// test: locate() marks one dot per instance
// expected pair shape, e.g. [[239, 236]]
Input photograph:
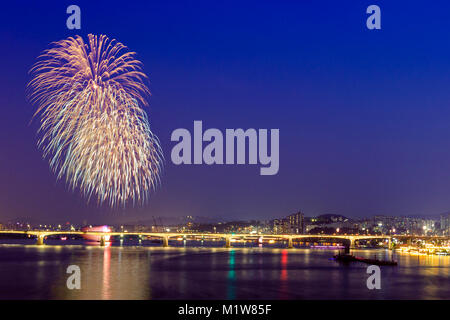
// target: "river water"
[[132, 271]]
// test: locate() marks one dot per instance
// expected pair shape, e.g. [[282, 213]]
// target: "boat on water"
[[96, 238], [351, 258]]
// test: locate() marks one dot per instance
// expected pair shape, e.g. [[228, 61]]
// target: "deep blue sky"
[[363, 115]]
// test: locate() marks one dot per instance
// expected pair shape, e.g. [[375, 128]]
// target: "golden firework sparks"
[[93, 128]]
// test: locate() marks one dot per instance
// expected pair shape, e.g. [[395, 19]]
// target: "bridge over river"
[[348, 241]]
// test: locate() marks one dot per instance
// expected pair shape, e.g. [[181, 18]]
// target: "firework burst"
[[93, 129]]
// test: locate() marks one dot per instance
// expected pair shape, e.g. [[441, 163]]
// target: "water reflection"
[[231, 289], [106, 288], [284, 274], [139, 272]]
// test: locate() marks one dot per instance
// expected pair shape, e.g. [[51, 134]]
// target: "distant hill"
[[26, 220], [169, 221], [443, 214], [330, 218]]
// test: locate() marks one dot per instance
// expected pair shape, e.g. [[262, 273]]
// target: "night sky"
[[363, 115]]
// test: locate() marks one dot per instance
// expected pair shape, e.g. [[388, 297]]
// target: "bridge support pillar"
[[165, 241], [228, 242], [352, 243], [40, 239], [389, 244], [102, 241], [290, 243]]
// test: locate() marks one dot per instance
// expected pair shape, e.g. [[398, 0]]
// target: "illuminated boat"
[[96, 238]]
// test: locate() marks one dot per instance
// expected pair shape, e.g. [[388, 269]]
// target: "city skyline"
[[294, 223]]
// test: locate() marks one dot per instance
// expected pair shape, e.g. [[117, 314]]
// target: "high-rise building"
[[445, 224], [277, 227], [296, 223]]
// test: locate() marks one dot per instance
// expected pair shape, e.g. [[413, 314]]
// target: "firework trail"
[[93, 128]]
